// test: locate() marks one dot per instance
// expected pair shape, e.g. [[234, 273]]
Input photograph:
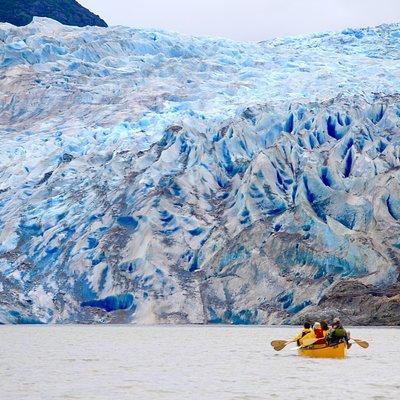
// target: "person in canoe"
[[325, 327], [319, 333], [306, 331], [338, 334], [316, 333]]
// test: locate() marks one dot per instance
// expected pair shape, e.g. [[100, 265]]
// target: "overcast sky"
[[246, 19]]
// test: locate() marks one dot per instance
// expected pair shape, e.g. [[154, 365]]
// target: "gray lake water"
[[188, 362]]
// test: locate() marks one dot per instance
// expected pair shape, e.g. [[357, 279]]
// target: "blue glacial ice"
[[148, 176]]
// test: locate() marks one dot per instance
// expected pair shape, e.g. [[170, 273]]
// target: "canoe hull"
[[323, 351]]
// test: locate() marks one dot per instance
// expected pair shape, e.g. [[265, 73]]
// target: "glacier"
[[152, 177]]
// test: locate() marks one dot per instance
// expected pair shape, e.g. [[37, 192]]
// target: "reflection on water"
[[188, 362]]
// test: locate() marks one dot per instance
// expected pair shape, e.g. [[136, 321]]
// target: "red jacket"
[[319, 333]]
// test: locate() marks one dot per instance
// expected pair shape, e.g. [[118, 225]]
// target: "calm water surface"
[[189, 362]]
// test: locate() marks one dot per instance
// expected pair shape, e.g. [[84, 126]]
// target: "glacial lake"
[[188, 362]]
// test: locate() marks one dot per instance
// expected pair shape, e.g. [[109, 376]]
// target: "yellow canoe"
[[323, 351]]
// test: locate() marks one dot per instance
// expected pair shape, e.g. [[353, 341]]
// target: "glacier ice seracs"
[[155, 177]]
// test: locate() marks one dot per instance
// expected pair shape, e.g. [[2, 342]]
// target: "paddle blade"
[[361, 343], [278, 345], [278, 342]]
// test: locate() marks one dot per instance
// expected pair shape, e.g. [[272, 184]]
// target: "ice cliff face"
[[153, 177]]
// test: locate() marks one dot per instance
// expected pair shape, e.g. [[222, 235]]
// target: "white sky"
[[246, 19]]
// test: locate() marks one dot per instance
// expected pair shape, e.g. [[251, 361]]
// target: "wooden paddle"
[[362, 343], [278, 345], [309, 342], [306, 342]]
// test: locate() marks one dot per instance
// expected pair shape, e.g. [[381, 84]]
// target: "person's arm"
[[297, 337], [310, 335]]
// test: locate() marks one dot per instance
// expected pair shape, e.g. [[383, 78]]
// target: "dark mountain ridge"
[[68, 12]]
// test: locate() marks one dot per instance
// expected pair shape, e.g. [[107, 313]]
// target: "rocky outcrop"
[[356, 304], [68, 12]]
